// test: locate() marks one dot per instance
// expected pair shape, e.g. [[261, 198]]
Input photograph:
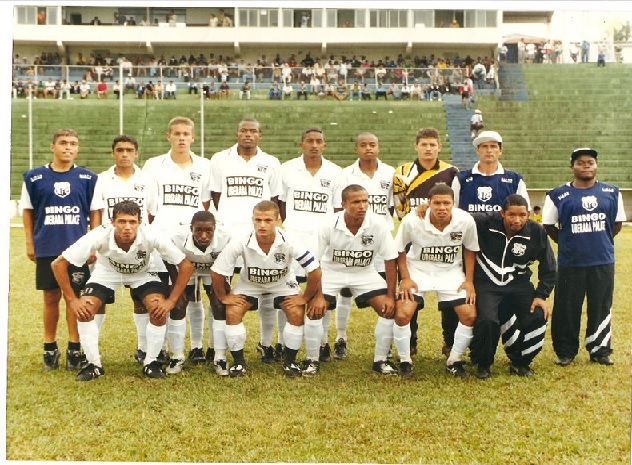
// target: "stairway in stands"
[[512, 85], [458, 126]]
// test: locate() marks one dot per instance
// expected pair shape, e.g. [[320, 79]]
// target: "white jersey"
[[308, 198], [179, 192], [437, 256], [265, 271], [243, 184], [379, 188], [340, 250], [112, 189], [202, 259], [115, 264]]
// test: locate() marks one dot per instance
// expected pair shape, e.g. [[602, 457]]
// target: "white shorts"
[[448, 292], [112, 280], [363, 285], [286, 286]]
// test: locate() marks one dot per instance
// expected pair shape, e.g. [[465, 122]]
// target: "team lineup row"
[[337, 234]]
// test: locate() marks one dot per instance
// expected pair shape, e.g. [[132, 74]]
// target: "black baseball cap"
[[583, 151]]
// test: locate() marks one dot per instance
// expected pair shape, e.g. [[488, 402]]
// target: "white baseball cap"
[[487, 136]]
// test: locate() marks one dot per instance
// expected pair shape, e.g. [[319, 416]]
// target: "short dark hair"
[[427, 133], [126, 207], [125, 138], [350, 189], [312, 129], [515, 200], [64, 132], [440, 188], [267, 206], [203, 215]]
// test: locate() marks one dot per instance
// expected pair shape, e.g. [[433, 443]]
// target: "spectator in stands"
[[75, 88], [144, 22], [140, 90], [380, 91], [287, 91], [355, 91], [502, 52], [601, 57], [224, 90], [574, 51], [64, 88], [329, 91], [19, 89], [435, 91], [209, 90], [405, 91], [49, 88], [95, 21], [245, 91], [380, 73], [479, 73], [314, 85], [213, 21], [84, 89], [466, 95], [193, 87], [131, 21], [341, 92], [224, 19], [102, 89], [537, 214], [302, 91], [159, 90], [476, 123], [275, 91], [116, 89], [130, 84], [150, 90], [393, 89], [415, 91], [585, 51], [170, 90], [492, 77]]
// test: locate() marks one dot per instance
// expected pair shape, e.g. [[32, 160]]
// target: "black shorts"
[[106, 295], [45, 279], [276, 302]]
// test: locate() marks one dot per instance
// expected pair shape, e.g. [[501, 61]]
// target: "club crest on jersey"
[[367, 239], [385, 185], [141, 255], [214, 255], [139, 187], [456, 237], [62, 189], [589, 203], [292, 284], [279, 258], [326, 183], [195, 176], [262, 168], [519, 249], [77, 277], [484, 193]]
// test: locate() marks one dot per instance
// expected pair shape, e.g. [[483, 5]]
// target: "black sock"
[[238, 357], [74, 345], [289, 355], [50, 346]]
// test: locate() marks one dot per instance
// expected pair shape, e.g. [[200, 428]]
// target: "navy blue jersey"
[[61, 205], [479, 193], [585, 220]]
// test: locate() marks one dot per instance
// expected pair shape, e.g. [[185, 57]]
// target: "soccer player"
[[181, 183], [377, 178], [202, 242], [347, 246], [432, 252], [411, 184], [125, 181], [56, 201], [267, 253], [242, 176], [509, 244], [123, 249], [308, 186], [583, 217]]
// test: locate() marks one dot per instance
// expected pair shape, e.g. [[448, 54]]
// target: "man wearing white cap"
[[476, 123]]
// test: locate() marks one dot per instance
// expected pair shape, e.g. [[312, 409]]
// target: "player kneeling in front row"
[[347, 246], [201, 245], [123, 249], [267, 253], [439, 244]]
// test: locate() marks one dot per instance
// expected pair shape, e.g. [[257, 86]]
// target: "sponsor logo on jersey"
[[202, 266], [315, 202], [181, 195], [607, 189], [507, 180], [266, 275], [35, 178], [589, 202], [519, 249], [415, 202], [456, 237], [565, 194], [353, 258], [484, 193], [127, 268], [62, 214], [440, 254], [85, 176], [378, 204], [588, 222], [111, 201], [244, 186], [61, 189], [483, 208]]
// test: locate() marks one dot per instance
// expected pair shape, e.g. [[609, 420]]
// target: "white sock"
[[267, 317], [281, 322], [164, 342], [219, 338], [141, 321], [462, 338], [325, 323], [176, 333], [195, 315], [210, 322], [343, 312], [383, 338], [99, 318], [293, 336], [235, 336], [313, 335], [401, 336], [155, 339], [89, 337]]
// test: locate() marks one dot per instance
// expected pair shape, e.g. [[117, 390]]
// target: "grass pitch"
[[574, 415]]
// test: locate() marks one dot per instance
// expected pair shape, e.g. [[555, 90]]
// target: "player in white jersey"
[[125, 181], [202, 243], [432, 252], [309, 183], [347, 246], [181, 185], [242, 176], [377, 178], [123, 250], [267, 253]]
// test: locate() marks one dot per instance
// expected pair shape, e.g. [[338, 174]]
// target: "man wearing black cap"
[[583, 216]]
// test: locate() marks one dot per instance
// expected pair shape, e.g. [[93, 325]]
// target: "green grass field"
[[562, 416]]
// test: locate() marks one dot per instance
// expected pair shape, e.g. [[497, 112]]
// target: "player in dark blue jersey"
[[583, 217], [56, 202]]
